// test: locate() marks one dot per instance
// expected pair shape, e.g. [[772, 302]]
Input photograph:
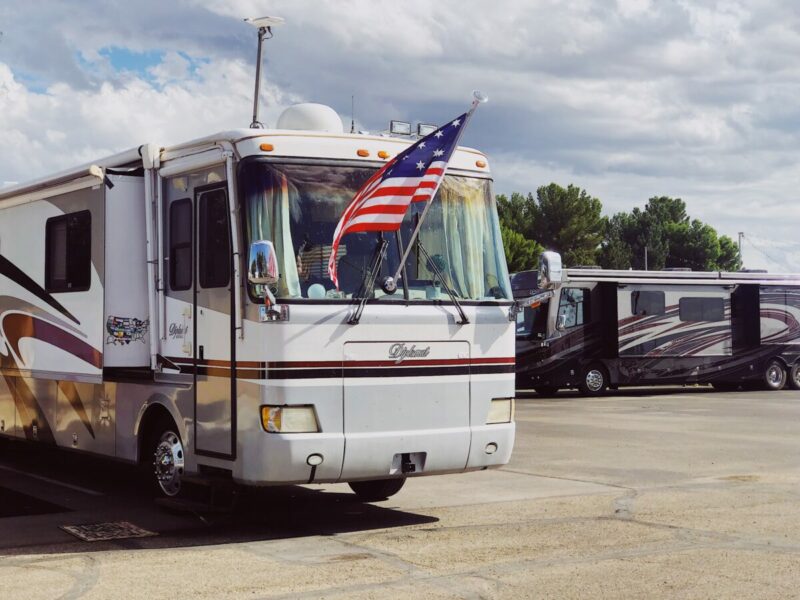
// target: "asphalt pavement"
[[679, 493]]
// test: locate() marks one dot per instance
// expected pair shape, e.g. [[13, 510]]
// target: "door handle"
[[200, 352]]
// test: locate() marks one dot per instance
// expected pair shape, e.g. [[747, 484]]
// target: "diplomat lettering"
[[177, 331], [400, 352]]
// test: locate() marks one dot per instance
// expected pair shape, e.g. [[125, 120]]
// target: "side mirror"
[[550, 270], [561, 324], [262, 265]]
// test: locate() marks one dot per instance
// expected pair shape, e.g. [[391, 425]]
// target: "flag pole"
[[391, 283]]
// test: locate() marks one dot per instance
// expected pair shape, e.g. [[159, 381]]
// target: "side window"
[[215, 243], [574, 306], [68, 253], [702, 309], [647, 303], [180, 245]]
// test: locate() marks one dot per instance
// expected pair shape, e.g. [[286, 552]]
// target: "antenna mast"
[[264, 25]]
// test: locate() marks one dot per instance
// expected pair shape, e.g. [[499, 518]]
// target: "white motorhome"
[[133, 319]]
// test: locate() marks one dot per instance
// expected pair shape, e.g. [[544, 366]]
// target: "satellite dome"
[[311, 117]]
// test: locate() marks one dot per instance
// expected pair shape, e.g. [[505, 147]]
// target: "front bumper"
[[274, 459]]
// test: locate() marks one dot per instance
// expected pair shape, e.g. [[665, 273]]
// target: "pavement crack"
[[623, 505]]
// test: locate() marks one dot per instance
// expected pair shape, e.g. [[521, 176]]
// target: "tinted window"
[[574, 306], [215, 245], [645, 303], [702, 309], [68, 252], [180, 244], [532, 321]]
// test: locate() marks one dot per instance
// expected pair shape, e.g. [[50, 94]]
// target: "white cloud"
[[173, 67], [629, 99], [66, 126]]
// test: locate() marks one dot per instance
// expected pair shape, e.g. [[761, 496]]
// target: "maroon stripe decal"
[[336, 364], [17, 326]]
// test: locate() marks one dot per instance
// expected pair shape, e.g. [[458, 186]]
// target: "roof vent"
[[311, 117]]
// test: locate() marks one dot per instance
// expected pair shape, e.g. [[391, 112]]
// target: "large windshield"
[[298, 206]]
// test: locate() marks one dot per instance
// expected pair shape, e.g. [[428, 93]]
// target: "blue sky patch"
[[123, 59]]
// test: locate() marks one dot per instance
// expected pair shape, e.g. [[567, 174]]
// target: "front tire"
[[594, 381], [168, 460], [794, 376], [376, 489], [775, 375]]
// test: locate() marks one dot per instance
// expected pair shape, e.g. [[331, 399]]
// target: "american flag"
[[414, 175]]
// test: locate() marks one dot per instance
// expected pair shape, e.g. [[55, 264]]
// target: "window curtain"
[[462, 237], [269, 216]]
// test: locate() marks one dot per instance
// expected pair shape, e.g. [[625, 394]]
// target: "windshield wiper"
[[368, 285], [435, 268]]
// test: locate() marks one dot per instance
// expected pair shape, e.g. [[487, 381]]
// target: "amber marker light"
[[267, 147], [363, 153], [480, 164], [383, 154]]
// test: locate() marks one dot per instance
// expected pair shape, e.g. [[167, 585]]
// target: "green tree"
[[515, 212], [728, 255], [522, 254], [569, 221], [694, 245], [670, 237], [615, 251]]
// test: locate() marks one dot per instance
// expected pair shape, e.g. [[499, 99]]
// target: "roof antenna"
[[352, 114], [264, 25]]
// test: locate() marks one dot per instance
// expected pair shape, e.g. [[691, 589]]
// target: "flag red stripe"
[[393, 191], [394, 209], [362, 227]]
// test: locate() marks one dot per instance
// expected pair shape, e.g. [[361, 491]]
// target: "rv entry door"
[[215, 373]]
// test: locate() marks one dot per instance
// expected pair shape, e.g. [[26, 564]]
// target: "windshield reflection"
[[298, 206]]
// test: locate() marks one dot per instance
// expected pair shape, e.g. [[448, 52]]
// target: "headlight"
[[289, 419], [501, 410]]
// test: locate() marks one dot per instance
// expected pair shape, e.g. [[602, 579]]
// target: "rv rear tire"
[[775, 375], [794, 376], [376, 489], [594, 381]]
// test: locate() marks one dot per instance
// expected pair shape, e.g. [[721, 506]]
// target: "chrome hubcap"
[[775, 375], [168, 463], [594, 380], [797, 378]]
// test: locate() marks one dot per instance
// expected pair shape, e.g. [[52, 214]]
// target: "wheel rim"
[[594, 380], [796, 377], [774, 375], [169, 462]]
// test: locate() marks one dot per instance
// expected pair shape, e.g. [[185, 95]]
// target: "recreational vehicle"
[[170, 306], [590, 328]]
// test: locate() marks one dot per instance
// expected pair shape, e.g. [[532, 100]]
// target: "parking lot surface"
[[680, 493]]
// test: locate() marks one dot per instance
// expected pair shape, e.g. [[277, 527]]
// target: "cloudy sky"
[[628, 99]]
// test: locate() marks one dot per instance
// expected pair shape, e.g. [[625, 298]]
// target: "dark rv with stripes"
[[593, 328]]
